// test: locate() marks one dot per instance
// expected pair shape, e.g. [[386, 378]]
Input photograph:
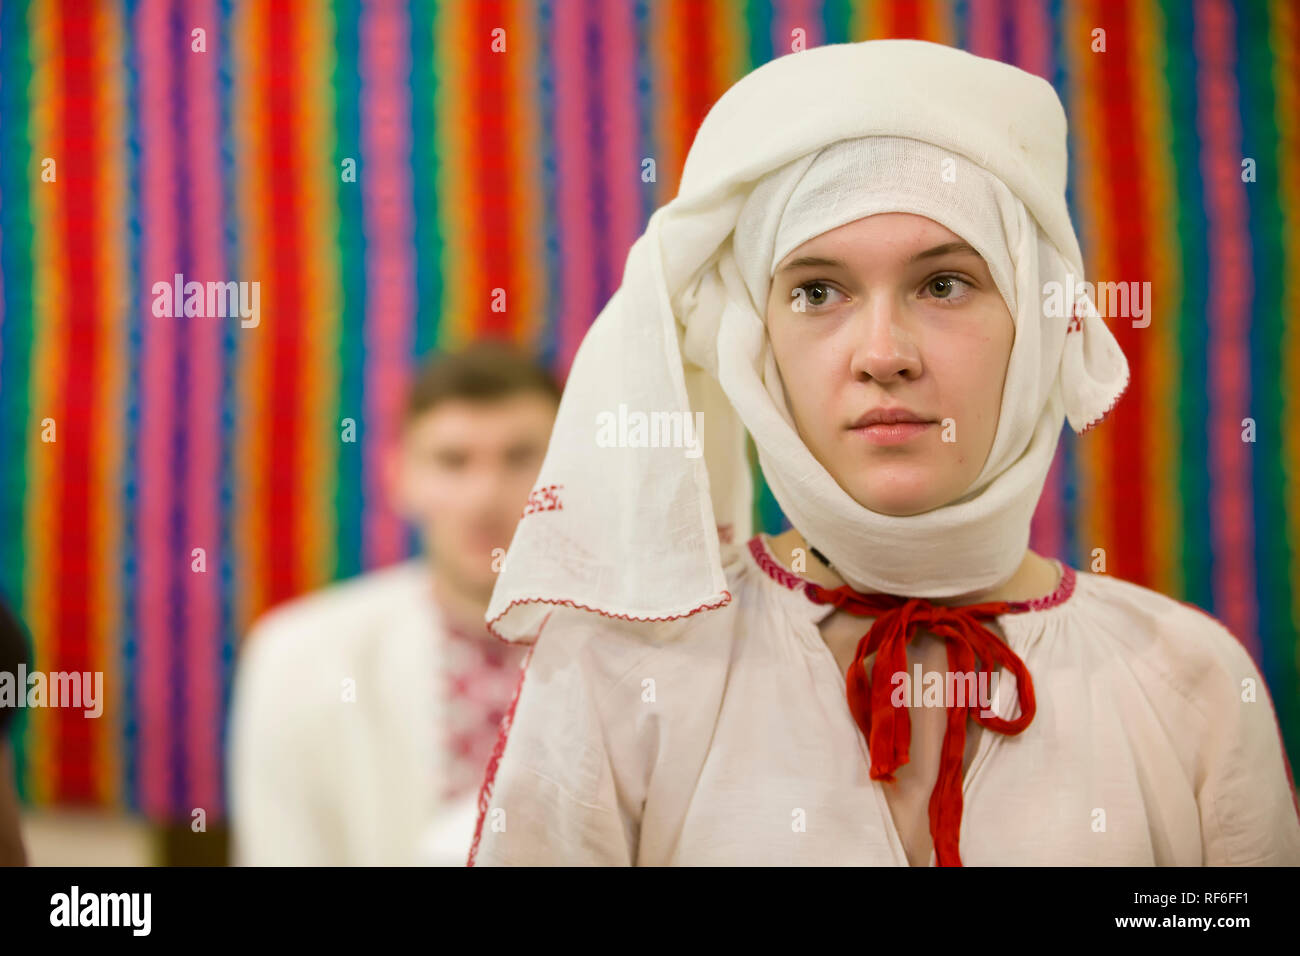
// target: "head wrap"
[[646, 470]]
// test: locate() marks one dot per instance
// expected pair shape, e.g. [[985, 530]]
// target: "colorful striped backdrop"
[[480, 169]]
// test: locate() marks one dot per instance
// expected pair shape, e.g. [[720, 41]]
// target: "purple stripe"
[[578, 299], [1228, 320], [158, 240], [387, 201], [618, 85]]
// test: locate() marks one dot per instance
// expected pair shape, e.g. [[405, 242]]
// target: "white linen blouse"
[[725, 738]]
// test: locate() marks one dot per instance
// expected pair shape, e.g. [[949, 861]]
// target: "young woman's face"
[[897, 313]]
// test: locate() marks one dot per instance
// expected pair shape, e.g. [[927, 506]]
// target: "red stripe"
[[490, 166], [905, 20], [281, 328], [694, 44], [78, 115], [1122, 191]]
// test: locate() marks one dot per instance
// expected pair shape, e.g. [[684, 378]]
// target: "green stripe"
[[425, 172], [1189, 322], [1273, 557], [18, 173], [347, 91]]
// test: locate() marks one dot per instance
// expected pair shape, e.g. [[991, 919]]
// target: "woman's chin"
[[898, 502]]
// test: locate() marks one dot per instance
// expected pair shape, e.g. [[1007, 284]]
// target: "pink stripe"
[[203, 426], [1231, 289], [387, 199], [158, 565], [578, 305], [618, 90], [1047, 529], [984, 35], [1034, 31], [791, 15]]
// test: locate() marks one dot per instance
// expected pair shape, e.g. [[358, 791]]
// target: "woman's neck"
[[1036, 577]]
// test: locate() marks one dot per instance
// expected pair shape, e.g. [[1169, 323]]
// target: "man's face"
[[462, 474]]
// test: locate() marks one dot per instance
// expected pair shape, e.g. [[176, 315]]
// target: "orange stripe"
[[114, 316], [249, 123], [1094, 450], [48, 369]]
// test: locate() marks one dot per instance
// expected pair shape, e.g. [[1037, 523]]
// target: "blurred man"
[[364, 715], [13, 654]]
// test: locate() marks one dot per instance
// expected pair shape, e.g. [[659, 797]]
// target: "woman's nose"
[[883, 347]]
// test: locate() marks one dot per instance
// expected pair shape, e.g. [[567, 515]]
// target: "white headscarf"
[[626, 521]]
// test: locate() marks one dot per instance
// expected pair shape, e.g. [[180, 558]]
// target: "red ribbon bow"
[[888, 729]]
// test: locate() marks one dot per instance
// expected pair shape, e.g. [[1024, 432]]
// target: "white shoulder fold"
[[1248, 805]]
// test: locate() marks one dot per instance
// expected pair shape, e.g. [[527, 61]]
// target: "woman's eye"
[[814, 293], [947, 288]]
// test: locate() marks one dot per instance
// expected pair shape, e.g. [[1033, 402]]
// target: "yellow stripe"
[[465, 292], [1159, 392]]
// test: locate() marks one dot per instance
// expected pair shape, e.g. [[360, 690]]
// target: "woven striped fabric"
[[402, 176]]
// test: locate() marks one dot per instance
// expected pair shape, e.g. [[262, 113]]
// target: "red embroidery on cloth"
[[1076, 320], [477, 683], [724, 600], [543, 498], [1098, 420]]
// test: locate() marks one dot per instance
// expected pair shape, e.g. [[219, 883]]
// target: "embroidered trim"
[[782, 575], [1098, 420], [726, 599], [503, 733]]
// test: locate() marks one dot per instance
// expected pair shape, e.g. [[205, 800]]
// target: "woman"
[[865, 268]]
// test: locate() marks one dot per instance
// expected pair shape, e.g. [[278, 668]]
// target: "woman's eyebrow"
[[948, 248], [812, 261]]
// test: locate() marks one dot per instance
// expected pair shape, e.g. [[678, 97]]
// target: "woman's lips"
[[895, 434]]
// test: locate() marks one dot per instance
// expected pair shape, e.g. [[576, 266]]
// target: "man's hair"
[[481, 372]]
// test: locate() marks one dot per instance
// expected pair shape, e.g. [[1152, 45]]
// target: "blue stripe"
[[135, 317], [352, 256], [231, 252], [548, 348]]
